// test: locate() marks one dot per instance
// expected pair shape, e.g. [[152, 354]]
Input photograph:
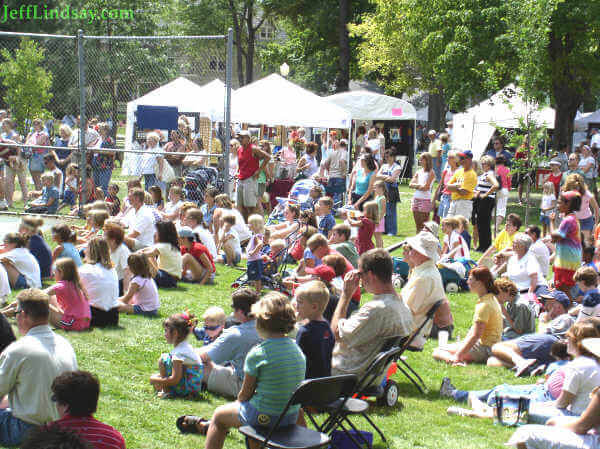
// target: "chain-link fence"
[[95, 77]]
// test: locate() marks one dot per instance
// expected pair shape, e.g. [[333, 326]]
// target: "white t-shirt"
[[148, 160], [456, 237], [119, 259], [234, 242], [542, 255], [595, 140], [422, 179], [582, 375], [240, 226], [184, 352], [26, 264], [335, 161], [169, 259], [207, 239], [143, 222], [519, 270], [171, 207], [4, 283], [375, 145], [584, 162], [101, 285], [547, 202], [147, 295]]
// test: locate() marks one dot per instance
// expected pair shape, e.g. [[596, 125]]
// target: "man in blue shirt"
[[224, 358], [499, 150], [47, 203]]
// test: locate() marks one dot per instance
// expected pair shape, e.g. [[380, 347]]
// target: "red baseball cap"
[[325, 272]]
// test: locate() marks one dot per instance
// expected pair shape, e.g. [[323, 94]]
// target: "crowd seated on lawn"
[[123, 258]]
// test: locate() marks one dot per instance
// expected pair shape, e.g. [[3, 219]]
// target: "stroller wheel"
[[452, 287], [390, 394]]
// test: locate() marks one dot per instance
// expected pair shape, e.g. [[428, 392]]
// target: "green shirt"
[[348, 250], [279, 366], [522, 317]]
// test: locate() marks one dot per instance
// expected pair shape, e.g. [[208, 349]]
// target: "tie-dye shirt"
[[568, 249]]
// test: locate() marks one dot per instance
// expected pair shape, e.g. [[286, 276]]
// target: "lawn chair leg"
[[377, 429], [422, 390], [358, 434]]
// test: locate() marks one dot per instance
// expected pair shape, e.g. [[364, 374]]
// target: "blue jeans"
[[12, 430], [102, 178], [444, 205], [335, 188], [391, 221], [151, 180], [437, 168]]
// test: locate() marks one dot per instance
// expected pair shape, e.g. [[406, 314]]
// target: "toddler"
[[366, 223], [381, 200], [255, 264], [142, 295], [326, 219], [229, 242], [214, 322], [65, 244], [180, 371], [547, 206]]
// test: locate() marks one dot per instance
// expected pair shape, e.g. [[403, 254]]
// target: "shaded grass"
[[125, 357]]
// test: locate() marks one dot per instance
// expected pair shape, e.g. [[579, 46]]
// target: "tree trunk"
[[239, 55], [437, 112], [567, 102], [250, 46], [342, 83]]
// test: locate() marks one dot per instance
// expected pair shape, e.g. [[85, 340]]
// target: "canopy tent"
[[475, 127], [582, 121], [206, 101], [274, 100], [365, 105]]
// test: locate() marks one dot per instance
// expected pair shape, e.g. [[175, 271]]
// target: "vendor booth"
[[474, 128], [396, 116]]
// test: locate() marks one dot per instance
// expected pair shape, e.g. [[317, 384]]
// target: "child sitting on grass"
[[171, 211], [157, 198], [142, 295], [297, 252], [463, 229], [113, 200], [315, 338], [214, 322], [229, 242], [65, 239], [180, 371], [165, 255], [69, 308], [197, 262], [272, 371], [46, 200], [454, 245]]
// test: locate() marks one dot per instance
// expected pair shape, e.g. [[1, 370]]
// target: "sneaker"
[[447, 388]]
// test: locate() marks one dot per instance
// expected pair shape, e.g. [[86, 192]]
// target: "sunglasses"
[[212, 328]]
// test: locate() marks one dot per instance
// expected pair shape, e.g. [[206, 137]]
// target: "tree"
[[556, 44], [27, 83], [452, 49]]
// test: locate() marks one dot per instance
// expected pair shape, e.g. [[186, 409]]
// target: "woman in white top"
[[566, 432], [523, 268], [150, 158], [587, 165], [165, 255], [99, 280], [196, 158], [308, 162], [119, 252], [374, 143], [422, 182], [21, 266]]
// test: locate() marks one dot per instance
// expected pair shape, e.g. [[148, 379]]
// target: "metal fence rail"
[[94, 77]]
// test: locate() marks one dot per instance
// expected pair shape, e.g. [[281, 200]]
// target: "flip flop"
[[189, 425]]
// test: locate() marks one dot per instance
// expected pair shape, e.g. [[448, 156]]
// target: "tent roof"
[[274, 100], [582, 122], [365, 105], [187, 96]]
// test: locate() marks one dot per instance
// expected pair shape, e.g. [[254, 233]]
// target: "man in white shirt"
[[539, 249], [336, 164], [595, 139], [141, 229], [27, 368]]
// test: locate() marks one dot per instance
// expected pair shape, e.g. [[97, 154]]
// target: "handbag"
[[511, 411], [168, 174]]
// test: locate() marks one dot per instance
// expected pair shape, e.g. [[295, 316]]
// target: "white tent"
[[474, 128], [365, 105], [582, 121], [274, 100], [207, 101]]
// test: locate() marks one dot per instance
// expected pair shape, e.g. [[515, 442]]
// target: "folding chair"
[[402, 364], [314, 393], [367, 386]]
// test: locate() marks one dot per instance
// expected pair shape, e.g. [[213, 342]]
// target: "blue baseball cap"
[[466, 154], [559, 297]]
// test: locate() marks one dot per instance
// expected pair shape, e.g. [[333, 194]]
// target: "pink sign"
[[396, 112]]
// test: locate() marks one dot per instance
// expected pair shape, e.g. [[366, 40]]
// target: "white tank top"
[[422, 178]]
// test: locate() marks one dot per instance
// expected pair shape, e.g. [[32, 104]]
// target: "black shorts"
[[104, 318]]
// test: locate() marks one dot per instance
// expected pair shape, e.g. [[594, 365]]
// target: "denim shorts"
[[587, 224], [249, 416], [255, 270], [165, 280], [335, 185], [545, 219], [36, 163], [12, 429], [21, 282], [137, 310]]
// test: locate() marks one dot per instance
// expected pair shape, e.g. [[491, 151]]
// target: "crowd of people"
[[258, 353]]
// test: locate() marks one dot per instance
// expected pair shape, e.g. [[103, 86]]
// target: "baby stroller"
[[198, 180], [299, 194], [455, 273]]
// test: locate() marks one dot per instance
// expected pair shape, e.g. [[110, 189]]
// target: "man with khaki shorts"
[[249, 167], [223, 359]]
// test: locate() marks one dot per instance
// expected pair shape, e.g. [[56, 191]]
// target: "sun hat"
[[325, 272], [432, 227], [555, 162], [424, 243], [592, 345]]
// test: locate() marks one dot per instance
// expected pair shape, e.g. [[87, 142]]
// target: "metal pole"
[[82, 122], [228, 72]]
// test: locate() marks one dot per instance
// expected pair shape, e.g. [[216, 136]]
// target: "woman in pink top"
[[445, 193], [503, 172], [588, 205], [69, 308]]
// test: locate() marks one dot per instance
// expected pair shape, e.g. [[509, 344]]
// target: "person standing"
[[336, 165], [389, 173], [249, 158], [435, 151], [484, 201], [28, 366], [462, 187], [422, 182]]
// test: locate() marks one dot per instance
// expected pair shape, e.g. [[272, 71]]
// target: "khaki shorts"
[[247, 192], [224, 381], [480, 353], [461, 207]]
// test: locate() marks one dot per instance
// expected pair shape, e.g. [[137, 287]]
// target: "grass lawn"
[[124, 358]]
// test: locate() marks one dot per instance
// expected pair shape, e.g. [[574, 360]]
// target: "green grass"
[[124, 358]]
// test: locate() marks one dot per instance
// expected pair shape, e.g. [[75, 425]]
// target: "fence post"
[[228, 72], [82, 122]]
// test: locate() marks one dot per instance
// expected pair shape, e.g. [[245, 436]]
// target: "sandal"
[[189, 424]]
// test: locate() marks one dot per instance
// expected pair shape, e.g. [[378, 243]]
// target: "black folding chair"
[[402, 364], [367, 386], [315, 393]]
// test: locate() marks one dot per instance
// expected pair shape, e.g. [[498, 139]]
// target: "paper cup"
[[442, 338]]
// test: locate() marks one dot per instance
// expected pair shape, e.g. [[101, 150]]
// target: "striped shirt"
[[484, 185], [98, 434], [279, 366]]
